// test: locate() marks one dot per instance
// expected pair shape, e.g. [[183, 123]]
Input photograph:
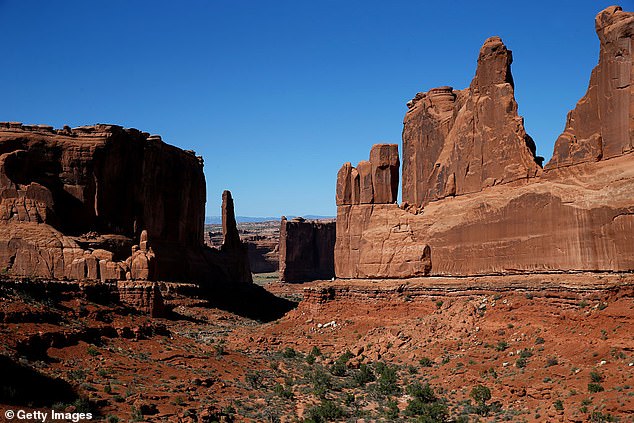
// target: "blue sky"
[[276, 95]]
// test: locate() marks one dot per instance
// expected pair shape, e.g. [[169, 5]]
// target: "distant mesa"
[[476, 200], [306, 249]]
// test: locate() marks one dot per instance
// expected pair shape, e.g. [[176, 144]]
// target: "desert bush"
[[598, 417], [552, 361], [596, 376], [283, 391], [595, 387], [363, 376], [502, 346], [422, 392], [324, 412], [320, 381], [426, 362], [391, 411], [387, 382], [481, 394], [289, 353], [254, 379]]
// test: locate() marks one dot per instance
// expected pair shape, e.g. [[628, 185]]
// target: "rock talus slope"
[[475, 199]]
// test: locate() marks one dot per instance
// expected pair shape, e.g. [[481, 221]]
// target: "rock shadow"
[[23, 386], [253, 302]]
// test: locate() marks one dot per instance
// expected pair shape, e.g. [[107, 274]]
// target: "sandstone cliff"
[[475, 198], [306, 250], [103, 203], [601, 126], [459, 142]]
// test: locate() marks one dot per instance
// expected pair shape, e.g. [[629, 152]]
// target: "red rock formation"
[[503, 215], [85, 203], [601, 126], [373, 182], [306, 250], [143, 296], [458, 142]]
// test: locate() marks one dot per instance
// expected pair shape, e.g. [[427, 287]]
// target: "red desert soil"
[[538, 350]]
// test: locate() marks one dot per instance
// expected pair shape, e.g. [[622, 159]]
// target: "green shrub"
[[112, 419], [289, 353], [363, 376], [539, 340], [426, 362], [435, 412], [392, 410], [315, 352], [559, 406], [595, 387], [254, 379], [320, 381], [596, 376], [338, 369], [283, 392], [481, 394], [552, 361], [526, 353], [598, 417], [387, 382], [93, 351], [502, 346], [324, 412], [422, 392], [520, 363]]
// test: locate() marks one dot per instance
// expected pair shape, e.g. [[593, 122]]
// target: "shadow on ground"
[[24, 386], [253, 302]]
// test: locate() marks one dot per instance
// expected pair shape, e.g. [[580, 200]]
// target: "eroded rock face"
[[306, 250], [487, 208], [459, 142], [105, 203], [371, 182], [143, 296], [601, 126]]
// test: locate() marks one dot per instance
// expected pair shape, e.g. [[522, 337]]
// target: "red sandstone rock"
[[385, 162], [458, 142], [143, 296], [374, 181], [73, 203], [344, 184], [601, 125], [306, 250]]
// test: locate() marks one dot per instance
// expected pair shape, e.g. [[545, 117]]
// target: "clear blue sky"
[[276, 95]]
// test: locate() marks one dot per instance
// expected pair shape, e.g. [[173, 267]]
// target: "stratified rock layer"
[[103, 203], [602, 124], [306, 250], [487, 207]]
